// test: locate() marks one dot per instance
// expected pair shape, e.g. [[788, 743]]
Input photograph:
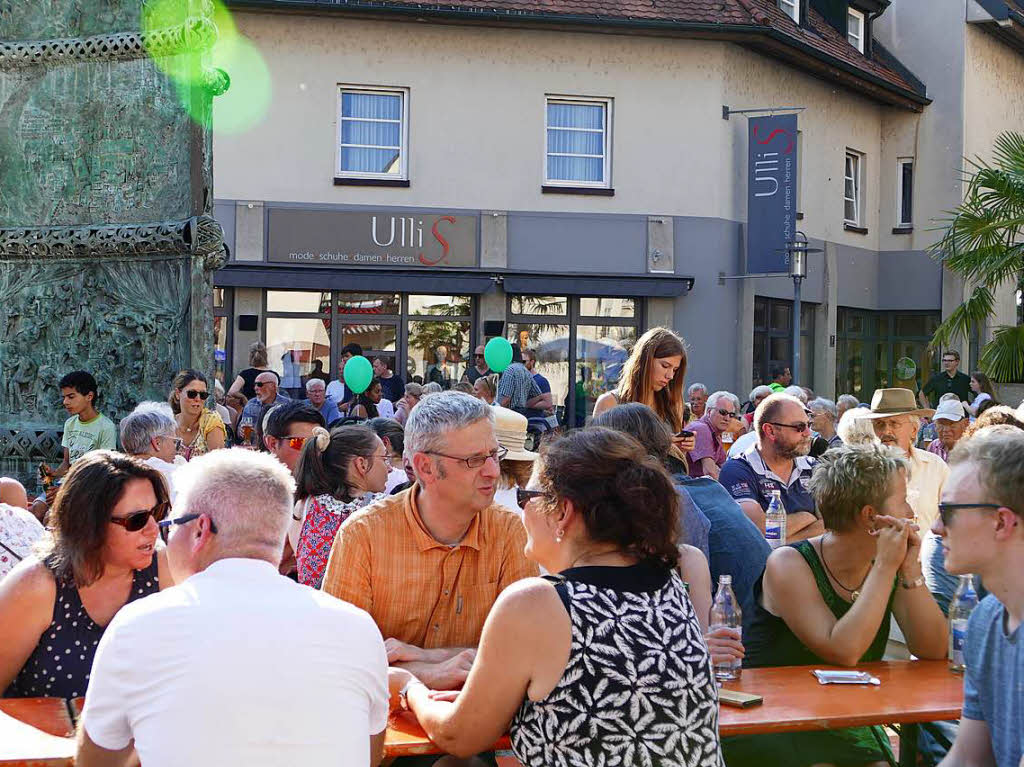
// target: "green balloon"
[[497, 354], [358, 374]]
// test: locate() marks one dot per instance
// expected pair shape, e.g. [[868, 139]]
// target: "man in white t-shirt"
[[193, 675]]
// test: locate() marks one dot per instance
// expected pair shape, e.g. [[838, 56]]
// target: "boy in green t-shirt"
[[85, 430]]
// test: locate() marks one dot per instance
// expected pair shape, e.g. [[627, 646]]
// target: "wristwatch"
[[918, 581], [403, 699]]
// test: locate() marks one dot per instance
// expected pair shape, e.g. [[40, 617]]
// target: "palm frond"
[[1003, 357], [959, 324], [1008, 151]]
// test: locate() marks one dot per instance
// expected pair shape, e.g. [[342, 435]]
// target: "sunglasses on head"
[[194, 393], [139, 519]]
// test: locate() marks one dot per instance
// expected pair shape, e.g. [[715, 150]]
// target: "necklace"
[[854, 592]]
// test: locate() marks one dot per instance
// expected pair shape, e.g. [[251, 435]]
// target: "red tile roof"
[[760, 24]]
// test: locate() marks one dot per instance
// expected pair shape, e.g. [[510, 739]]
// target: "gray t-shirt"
[[994, 681]]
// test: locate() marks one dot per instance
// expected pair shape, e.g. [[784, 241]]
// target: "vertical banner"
[[771, 192]]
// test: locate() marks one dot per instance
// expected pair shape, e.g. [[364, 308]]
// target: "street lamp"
[[798, 248]]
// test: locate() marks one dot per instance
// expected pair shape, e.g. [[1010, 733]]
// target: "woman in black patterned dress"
[[99, 555], [603, 663]]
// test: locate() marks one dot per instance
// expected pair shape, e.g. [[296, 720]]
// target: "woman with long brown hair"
[[100, 553], [983, 391], [201, 430], [653, 376]]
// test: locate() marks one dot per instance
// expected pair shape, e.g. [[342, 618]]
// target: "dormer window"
[[855, 28], [791, 8]]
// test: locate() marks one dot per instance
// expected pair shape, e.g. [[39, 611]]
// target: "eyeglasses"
[[295, 443], [726, 413], [386, 457], [194, 393], [139, 519], [947, 510], [179, 443], [474, 461], [478, 355], [799, 428], [261, 384], [166, 524], [523, 497]]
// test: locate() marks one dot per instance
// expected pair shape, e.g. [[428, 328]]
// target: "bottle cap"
[[725, 579]]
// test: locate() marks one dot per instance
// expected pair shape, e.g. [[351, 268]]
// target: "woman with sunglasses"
[[829, 600], [99, 555], [553, 665], [338, 473], [200, 430]]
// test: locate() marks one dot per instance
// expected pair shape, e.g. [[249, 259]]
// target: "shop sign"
[[359, 239], [771, 192]]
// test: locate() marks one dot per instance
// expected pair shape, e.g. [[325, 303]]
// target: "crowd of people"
[[275, 600]]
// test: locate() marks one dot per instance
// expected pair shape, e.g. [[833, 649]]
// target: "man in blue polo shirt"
[[777, 461]]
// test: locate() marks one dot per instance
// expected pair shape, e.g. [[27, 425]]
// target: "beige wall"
[[993, 103], [477, 115]]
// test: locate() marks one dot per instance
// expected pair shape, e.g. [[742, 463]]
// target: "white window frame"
[[900, 162], [606, 171], [858, 187], [857, 41], [791, 8], [403, 172]]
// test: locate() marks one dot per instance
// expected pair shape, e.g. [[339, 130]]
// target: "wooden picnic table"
[[910, 692], [36, 732]]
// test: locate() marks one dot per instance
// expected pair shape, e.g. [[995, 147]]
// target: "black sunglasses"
[[947, 510], [194, 393], [726, 413], [799, 428], [166, 524], [523, 497], [139, 519]]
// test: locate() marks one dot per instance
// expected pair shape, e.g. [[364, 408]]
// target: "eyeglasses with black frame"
[[474, 461], [165, 525], [137, 520], [948, 510], [799, 428], [523, 497], [726, 413]]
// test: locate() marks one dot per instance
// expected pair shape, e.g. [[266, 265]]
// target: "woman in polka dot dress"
[[100, 555]]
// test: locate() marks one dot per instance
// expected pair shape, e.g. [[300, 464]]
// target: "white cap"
[[949, 410]]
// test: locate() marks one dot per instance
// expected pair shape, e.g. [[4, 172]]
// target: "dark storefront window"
[[877, 350], [580, 341], [439, 338], [773, 338], [222, 300]]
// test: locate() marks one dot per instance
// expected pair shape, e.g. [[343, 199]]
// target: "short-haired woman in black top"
[[100, 555]]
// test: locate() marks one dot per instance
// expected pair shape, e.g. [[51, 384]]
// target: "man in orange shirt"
[[428, 563]]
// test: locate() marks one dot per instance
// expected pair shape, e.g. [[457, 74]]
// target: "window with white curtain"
[[792, 8], [852, 189], [373, 132], [855, 29], [578, 142]]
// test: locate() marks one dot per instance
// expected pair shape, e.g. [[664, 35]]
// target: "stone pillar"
[[107, 239]]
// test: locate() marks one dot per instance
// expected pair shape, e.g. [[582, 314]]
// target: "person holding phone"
[[653, 376], [710, 452]]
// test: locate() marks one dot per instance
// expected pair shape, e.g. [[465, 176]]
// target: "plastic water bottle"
[[964, 601], [775, 521], [725, 612]]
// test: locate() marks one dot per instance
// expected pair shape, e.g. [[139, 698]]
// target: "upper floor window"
[[791, 8], [905, 191], [852, 189], [855, 28], [578, 142], [373, 132]]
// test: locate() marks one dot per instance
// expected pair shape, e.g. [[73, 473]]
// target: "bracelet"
[[403, 694], [916, 583]]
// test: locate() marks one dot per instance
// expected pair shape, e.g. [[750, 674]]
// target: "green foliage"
[[982, 243]]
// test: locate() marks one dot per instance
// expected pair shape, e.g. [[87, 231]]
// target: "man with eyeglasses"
[[429, 562], [982, 529], [194, 677], [266, 397], [148, 433], [709, 454], [316, 393], [949, 379], [478, 369], [778, 461]]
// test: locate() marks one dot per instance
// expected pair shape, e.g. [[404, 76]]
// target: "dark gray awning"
[[363, 281], [660, 286]]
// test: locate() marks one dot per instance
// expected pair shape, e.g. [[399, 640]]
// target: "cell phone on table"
[[739, 699]]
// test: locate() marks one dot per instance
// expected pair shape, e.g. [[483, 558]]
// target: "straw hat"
[[890, 402], [510, 429]]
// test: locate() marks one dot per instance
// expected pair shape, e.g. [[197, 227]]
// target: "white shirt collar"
[[800, 464]]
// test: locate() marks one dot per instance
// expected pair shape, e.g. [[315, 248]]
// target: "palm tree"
[[983, 244]]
